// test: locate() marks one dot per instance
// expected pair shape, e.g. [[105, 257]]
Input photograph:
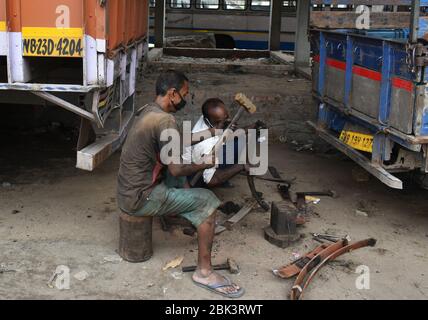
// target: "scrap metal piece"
[[294, 268], [329, 193], [257, 195], [278, 178], [329, 237], [349, 248], [332, 252], [297, 287]]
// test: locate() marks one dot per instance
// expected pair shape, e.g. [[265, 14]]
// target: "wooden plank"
[[240, 215], [338, 19], [229, 224]]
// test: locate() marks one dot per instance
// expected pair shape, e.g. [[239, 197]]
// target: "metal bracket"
[[64, 104], [376, 170]]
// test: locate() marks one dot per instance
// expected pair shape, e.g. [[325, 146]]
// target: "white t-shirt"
[[196, 152]]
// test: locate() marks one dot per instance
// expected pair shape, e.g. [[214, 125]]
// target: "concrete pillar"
[[275, 26], [159, 23], [302, 51]]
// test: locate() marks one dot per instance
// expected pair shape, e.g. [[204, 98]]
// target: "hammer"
[[245, 106], [230, 265]]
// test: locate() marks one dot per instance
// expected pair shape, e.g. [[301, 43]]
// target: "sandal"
[[214, 288]]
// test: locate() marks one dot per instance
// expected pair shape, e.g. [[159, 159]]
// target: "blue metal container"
[[373, 101]]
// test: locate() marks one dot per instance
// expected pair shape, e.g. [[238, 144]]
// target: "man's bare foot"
[[217, 283]]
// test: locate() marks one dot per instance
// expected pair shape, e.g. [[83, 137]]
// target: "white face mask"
[[208, 122]]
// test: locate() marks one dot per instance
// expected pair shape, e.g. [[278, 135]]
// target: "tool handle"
[[189, 269], [220, 143], [217, 268]]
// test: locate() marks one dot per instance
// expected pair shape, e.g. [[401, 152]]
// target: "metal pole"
[[159, 23], [64, 104], [302, 51], [275, 26]]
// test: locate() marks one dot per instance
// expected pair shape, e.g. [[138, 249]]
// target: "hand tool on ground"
[[245, 106], [329, 193], [299, 198], [230, 265], [329, 237]]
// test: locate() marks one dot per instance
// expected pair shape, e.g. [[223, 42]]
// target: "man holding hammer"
[[149, 187]]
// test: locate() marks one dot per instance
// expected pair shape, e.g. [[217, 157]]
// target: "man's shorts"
[[169, 197]]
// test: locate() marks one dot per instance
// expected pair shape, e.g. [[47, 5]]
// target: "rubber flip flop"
[[214, 289]]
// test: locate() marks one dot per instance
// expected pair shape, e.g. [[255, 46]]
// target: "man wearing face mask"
[[149, 187]]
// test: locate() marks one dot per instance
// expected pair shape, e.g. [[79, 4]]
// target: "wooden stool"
[[135, 244]]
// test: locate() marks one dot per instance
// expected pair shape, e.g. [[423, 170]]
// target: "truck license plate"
[[358, 141], [53, 42]]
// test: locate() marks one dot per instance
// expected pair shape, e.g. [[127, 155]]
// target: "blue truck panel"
[[370, 82]]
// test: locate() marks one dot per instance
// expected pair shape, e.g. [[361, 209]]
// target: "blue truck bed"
[[372, 92]]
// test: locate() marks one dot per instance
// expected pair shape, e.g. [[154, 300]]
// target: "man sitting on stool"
[[149, 185]]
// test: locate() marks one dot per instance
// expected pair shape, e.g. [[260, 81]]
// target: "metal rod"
[[65, 104]]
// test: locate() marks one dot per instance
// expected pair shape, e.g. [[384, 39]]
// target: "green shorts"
[[169, 197]]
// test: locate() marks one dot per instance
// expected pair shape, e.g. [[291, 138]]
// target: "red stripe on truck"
[[336, 64], [367, 73], [402, 84]]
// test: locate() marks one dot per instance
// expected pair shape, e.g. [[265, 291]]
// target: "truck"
[[79, 55], [371, 87]]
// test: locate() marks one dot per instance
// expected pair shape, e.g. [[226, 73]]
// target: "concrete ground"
[[52, 214]]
